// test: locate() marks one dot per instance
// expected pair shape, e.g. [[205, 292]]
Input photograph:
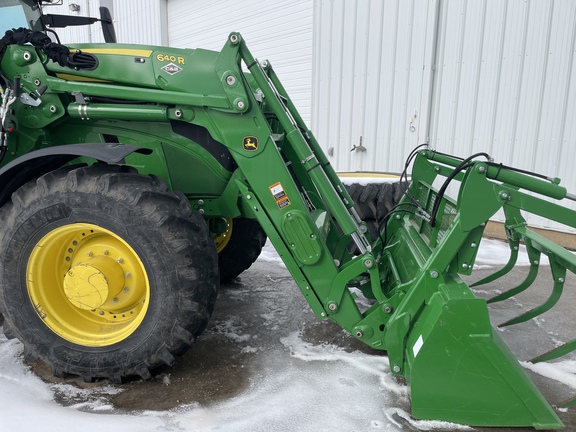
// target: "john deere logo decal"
[[250, 143]]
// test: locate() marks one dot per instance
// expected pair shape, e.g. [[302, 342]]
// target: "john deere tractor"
[[133, 179]]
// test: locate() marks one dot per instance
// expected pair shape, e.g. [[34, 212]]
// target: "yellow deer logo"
[[250, 143]]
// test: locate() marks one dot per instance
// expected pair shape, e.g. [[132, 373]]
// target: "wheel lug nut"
[[105, 252], [128, 274], [89, 253], [120, 260]]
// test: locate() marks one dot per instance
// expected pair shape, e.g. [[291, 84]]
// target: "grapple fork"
[[444, 329]]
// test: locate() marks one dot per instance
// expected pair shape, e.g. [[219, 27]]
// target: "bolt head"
[[434, 274], [359, 334], [230, 80], [396, 369], [387, 309], [240, 105], [332, 307], [120, 260]]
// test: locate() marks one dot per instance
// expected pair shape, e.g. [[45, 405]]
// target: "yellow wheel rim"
[[221, 240], [87, 285]]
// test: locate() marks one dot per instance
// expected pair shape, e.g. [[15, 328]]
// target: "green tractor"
[[133, 179]]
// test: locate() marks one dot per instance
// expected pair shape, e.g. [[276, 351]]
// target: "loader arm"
[[436, 332]]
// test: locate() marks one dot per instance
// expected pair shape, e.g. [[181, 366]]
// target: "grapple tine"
[[559, 275], [437, 334], [568, 402], [556, 352], [534, 257], [514, 246]]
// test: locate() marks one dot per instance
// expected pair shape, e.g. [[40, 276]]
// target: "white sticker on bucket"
[[417, 346]]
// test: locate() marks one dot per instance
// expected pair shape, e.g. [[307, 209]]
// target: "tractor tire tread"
[[183, 234]]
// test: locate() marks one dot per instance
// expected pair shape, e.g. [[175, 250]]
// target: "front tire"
[[105, 274], [238, 246]]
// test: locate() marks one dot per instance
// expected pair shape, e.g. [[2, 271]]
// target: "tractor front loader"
[[134, 178]]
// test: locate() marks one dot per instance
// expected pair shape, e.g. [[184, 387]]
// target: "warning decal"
[[279, 195]]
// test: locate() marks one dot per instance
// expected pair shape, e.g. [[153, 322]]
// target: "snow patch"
[[563, 371]]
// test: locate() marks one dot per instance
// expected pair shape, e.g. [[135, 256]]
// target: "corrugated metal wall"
[[277, 30], [506, 83], [142, 22], [372, 72]]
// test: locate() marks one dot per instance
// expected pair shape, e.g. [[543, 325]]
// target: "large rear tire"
[[105, 274], [238, 246]]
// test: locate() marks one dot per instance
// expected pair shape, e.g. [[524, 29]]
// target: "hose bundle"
[[56, 52]]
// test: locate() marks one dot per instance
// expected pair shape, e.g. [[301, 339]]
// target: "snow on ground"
[[289, 399], [367, 398]]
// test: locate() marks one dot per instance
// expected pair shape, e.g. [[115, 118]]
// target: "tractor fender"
[[39, 162]]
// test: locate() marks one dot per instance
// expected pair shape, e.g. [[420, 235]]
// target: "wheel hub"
[[221, 229], [89, 285]]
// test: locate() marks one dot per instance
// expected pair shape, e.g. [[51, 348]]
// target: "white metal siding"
[[140, 22], [371, 75], [506, 83], [277, 30]]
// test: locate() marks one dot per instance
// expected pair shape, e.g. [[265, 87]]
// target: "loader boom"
[[220, 130]]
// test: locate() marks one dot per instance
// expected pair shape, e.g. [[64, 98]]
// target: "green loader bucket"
[[439, 336], [461, 371]]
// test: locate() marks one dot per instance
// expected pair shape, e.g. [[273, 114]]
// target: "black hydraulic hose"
[[404, 175], [530, 173], [383, 223], [54, 51], [461, 166]]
